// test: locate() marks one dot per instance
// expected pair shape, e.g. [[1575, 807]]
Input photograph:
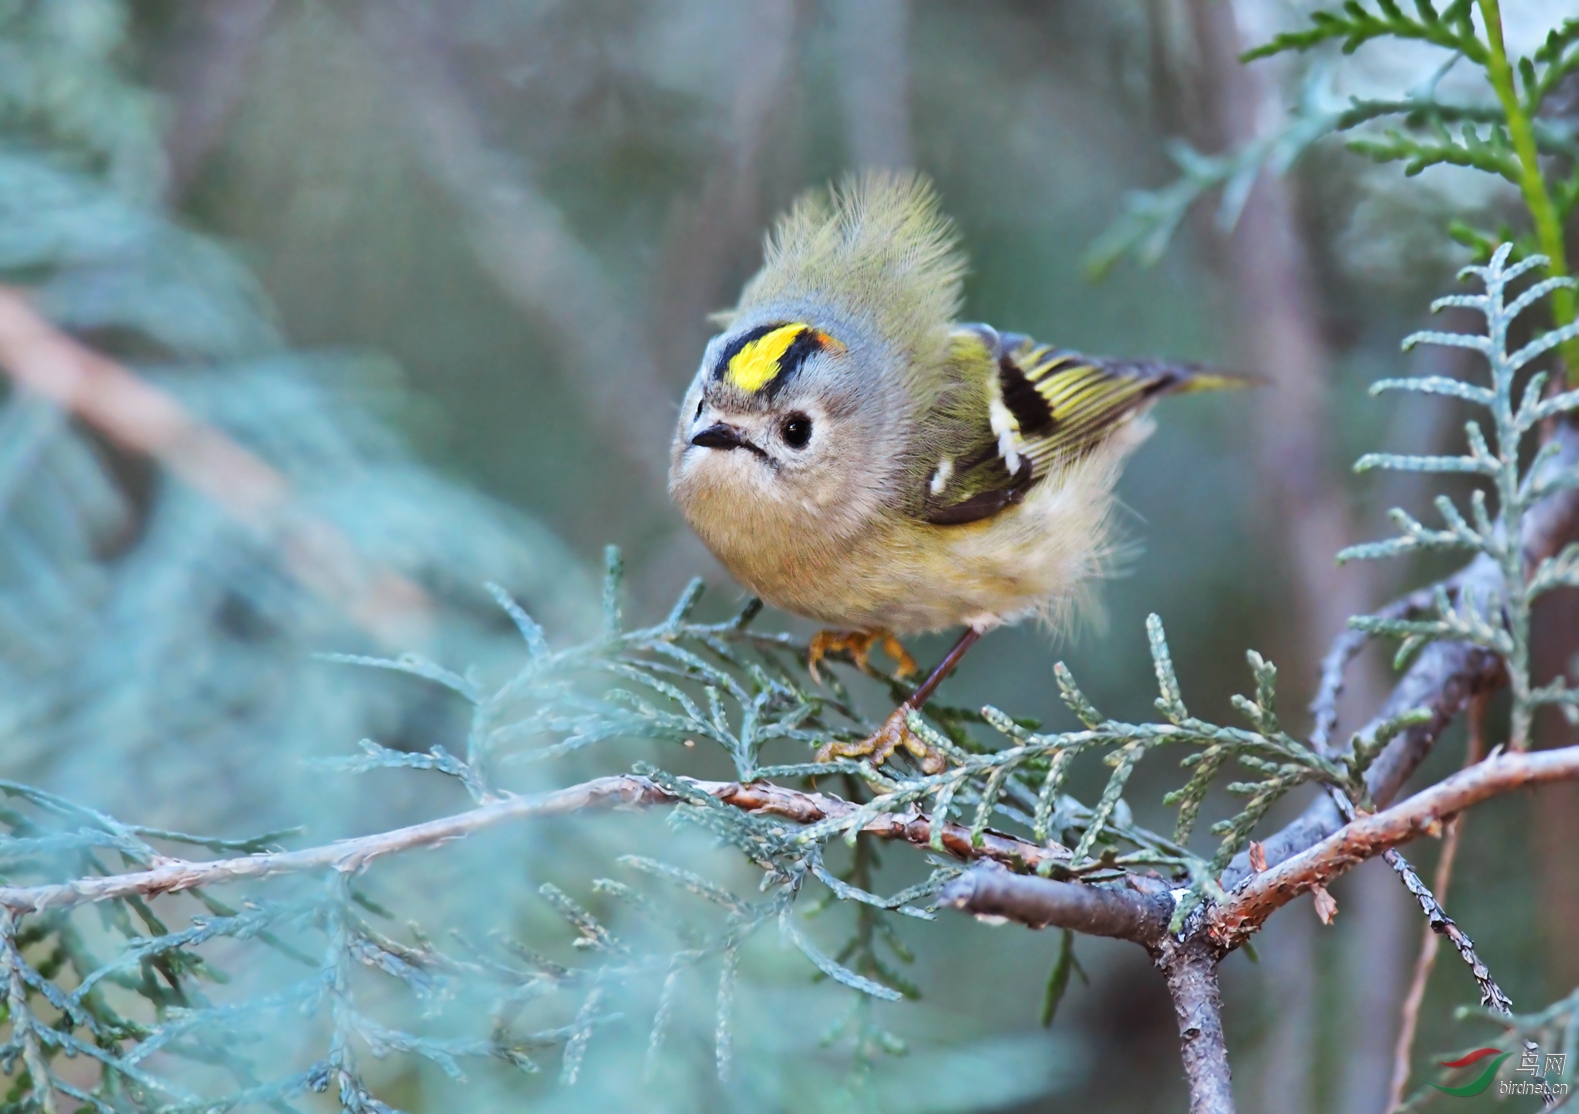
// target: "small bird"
[[853, 455]]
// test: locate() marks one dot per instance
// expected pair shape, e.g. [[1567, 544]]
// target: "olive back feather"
[[1045, 409]]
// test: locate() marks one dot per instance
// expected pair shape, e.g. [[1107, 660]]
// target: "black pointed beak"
[[721, 436]]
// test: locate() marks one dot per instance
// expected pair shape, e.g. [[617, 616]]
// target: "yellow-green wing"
[[1040, 408]]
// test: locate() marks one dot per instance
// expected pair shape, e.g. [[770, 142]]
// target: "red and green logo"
[[1481, 1081]]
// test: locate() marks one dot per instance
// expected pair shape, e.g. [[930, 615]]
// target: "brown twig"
[[1409, 1019], [1446, 678], [1443, 678], [1367, 836], [1189, 961], [1039, 901], [141, 418], [1547, 528], [606, 792]]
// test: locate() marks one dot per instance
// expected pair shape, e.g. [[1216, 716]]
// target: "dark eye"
[[797, 430]]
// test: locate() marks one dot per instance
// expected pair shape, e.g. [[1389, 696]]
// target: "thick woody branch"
[[1191, 970], [1128, 913], [1248, 908], [172, 876]]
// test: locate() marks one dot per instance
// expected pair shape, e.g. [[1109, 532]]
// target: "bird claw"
[[893, 734], [859, 644]]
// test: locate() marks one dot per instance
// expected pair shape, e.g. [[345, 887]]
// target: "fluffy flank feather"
[[876, 247]]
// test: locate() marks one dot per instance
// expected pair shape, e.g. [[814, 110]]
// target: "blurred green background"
[[497, 226]]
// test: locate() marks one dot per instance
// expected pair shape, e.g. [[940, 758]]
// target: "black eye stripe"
[[795, 355]]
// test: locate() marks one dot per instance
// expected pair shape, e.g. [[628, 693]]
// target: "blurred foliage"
[[1508, 132]]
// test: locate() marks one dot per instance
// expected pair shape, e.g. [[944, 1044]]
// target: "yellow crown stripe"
[[756, 365]]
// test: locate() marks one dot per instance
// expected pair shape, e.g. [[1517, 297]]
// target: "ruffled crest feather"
[[876, 247]]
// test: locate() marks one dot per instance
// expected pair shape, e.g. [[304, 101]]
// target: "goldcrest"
[[853, 455]]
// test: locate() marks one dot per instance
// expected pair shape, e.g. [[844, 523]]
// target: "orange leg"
[[858, 644], [895, 732]]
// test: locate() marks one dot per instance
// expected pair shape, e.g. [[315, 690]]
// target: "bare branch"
[[1248, 908], [136, 415], [606, 792], [988, 891], [1191, 970]]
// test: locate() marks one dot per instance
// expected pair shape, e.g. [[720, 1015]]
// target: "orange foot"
[[858, 644], [894, 733]]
